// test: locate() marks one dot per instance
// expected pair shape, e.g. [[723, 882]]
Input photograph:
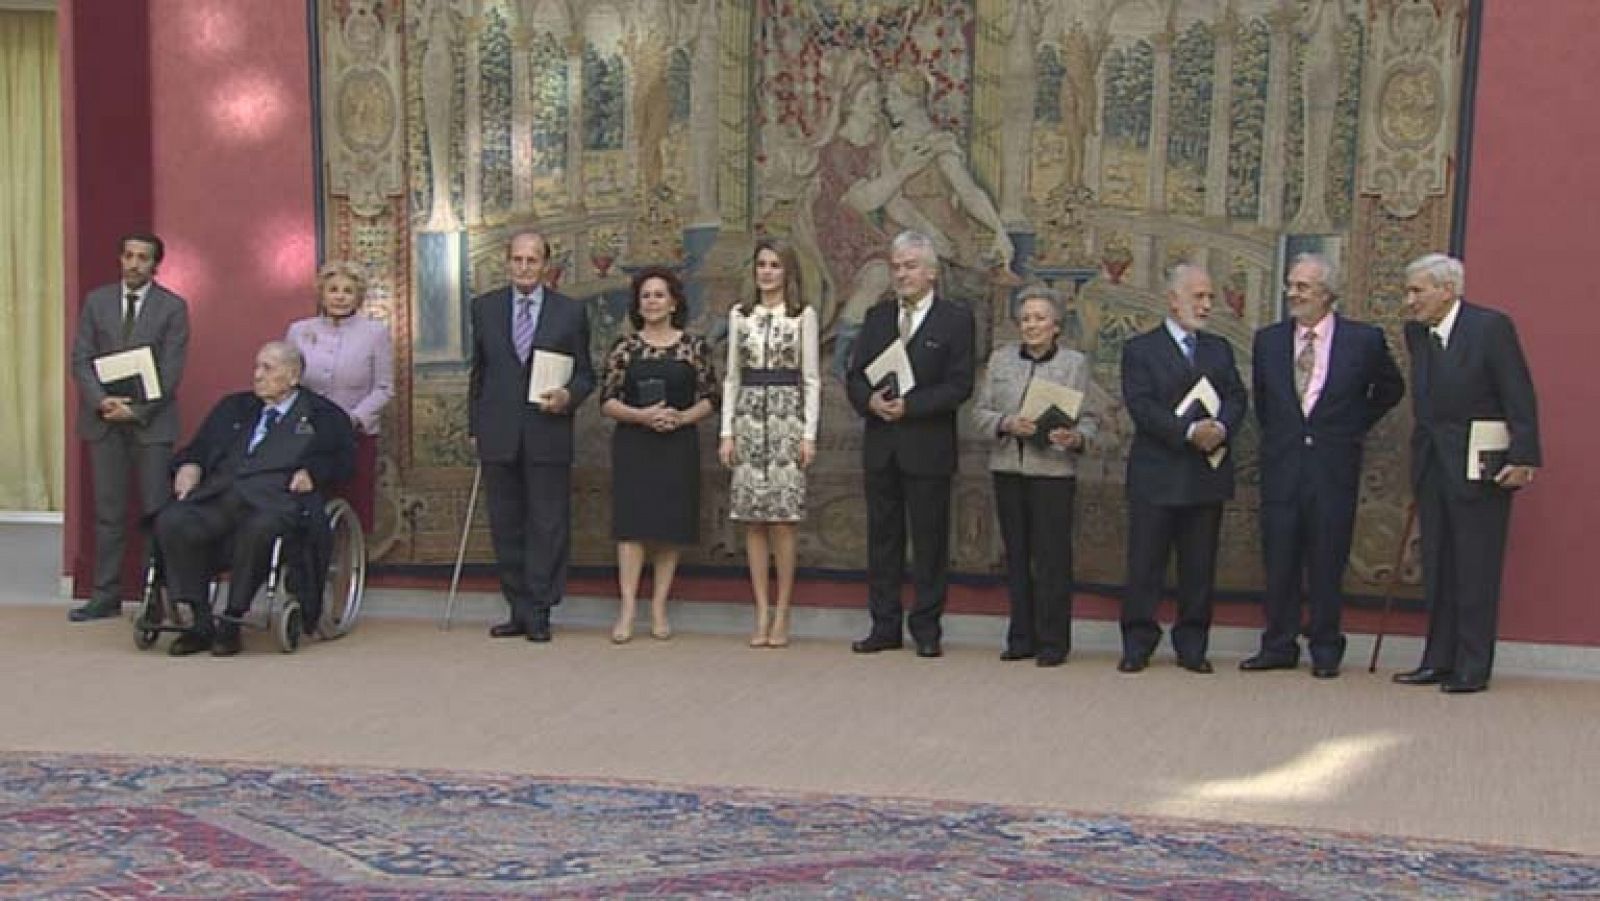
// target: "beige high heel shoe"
[[779, 636], [758, 638]]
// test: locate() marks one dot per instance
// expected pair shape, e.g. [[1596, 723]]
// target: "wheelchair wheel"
[[153, 610], [347, 572], [152, 614], [286, 625]]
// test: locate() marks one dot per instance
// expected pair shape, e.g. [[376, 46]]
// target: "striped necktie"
[[522, 327]]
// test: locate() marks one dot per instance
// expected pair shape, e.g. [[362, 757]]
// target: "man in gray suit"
[[127, 435]]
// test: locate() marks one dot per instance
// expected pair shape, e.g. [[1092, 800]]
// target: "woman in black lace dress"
[[659, 384]]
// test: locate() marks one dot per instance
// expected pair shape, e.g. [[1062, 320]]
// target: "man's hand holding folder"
[[128, 377], [1199, 408], [892, 378]]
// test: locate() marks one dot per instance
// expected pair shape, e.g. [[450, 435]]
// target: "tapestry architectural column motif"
[[704, 87], [575, 122], [1146, 251], [472, 162], [1160, 119], [521, 111], [1275, 136], [1225, 33], [1319, 30], [733, 114]]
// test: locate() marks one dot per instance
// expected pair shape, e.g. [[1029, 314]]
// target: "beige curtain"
[[32, 347]]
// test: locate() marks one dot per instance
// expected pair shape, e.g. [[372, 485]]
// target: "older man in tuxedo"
[[1321, 381], [909, 447], [525, 446], [126, 433], [261, 464], [1180, 469], [1467, 369]]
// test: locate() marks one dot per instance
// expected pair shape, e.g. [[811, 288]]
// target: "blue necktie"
[[269, 418], [1188, 348]]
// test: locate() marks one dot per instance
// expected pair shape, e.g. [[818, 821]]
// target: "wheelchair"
[[277, 605]]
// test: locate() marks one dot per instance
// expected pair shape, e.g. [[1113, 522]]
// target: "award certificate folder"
[[1050, 406], [1043, 394], [1487, 443], [893, 362], [129, 373], [549, 371], [1202, 402]]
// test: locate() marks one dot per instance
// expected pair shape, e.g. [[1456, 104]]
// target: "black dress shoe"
[[1463, 686], [1324, 672], [872, 644], [1201, 666], [95, 610], [929, 648], [1008, 655], [1422, 675], [1132, 664], [539, 632], [507, 629], [189, 643], [1050, 658], [1261, 663], [227, 642]]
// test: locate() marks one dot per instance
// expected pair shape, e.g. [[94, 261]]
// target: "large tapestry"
[[1087, 144]]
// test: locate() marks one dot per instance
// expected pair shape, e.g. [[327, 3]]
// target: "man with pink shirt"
[[1321, 382]]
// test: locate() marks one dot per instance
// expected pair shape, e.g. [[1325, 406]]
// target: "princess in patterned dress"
[[772, 399]]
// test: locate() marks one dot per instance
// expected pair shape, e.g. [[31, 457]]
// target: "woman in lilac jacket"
[[349, 360]]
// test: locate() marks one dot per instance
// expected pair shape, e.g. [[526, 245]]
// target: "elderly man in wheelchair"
[[256, 472]]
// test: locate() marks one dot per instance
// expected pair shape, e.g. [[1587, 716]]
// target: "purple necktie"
[[522, 328]]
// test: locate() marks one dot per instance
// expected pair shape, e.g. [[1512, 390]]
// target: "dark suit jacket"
[[1482, 375], [1363, 383], [163, 323], [500, 416], [923, 442], [1164, 469], [315, 436]]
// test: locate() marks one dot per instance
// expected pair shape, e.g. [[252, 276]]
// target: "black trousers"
[[1305, 541], [1463, 554], [115, 457], [1154, 532], [1036, 525], [530, 516], [893, 497], [197, 537]]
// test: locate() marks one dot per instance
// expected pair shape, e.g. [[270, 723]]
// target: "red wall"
[[234, 200], [106, 187], [208, 136], [1531, 217], [192, 117]]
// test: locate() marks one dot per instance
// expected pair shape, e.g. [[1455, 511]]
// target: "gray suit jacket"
[[1004, 387], [163, 324]]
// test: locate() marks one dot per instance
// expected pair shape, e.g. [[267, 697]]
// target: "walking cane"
[[1394, 582], [461, 549]]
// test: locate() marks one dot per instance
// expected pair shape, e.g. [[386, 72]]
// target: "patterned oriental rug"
[[124, 828]]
